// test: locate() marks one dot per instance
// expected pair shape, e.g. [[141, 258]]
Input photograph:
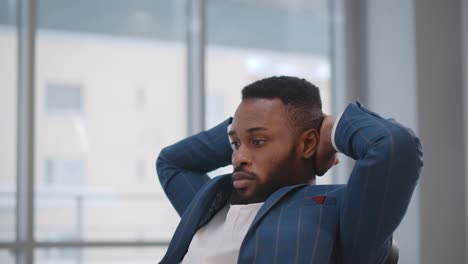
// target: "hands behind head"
[[325, 156]]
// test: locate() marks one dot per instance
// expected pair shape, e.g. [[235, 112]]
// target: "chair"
[[394, 254]]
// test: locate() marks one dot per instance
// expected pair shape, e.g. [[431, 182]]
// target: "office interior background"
[[91, 91]]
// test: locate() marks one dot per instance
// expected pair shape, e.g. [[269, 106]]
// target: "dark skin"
[[268, 153]]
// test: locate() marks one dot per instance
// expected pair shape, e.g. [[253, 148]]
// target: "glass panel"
[[7, 256], [251, 40], [140, 255], [63, 98], [8, 117], [110, 94]]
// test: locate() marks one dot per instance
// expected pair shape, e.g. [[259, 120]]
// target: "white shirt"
[[219, 241]]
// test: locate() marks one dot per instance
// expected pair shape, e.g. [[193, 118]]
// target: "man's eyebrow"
[[254, 129], [248, 130]]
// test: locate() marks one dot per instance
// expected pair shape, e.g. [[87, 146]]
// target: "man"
[[269, 210]]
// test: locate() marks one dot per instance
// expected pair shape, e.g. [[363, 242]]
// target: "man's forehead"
[[264, 113]]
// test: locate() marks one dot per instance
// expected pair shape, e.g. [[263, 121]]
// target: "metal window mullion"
[[347, 32], [196, 29], [25, 132], [84, 244]]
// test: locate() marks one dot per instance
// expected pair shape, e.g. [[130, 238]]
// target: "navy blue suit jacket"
[[350, 223]]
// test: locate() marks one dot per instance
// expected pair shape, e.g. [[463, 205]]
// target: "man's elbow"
[[162, 165], [406, 147]]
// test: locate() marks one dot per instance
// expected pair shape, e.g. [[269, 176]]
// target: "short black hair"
[[302, 98]]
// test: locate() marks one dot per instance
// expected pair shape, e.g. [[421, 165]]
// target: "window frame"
[[25, 243]]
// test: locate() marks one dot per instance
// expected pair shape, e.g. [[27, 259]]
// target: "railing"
[[72, 211]]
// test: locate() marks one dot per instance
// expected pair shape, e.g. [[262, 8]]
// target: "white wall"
[[413, 72], [440, 112]]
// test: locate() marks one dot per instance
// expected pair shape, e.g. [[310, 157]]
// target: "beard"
[[279, 176]]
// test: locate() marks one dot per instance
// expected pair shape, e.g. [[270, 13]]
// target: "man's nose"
[[241, 157]]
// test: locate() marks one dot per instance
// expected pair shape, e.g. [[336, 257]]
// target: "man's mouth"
[[241, 180]]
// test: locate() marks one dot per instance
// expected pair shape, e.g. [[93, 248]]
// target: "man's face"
[[264, 150]]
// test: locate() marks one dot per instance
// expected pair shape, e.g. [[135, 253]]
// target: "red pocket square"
[[319, 199]]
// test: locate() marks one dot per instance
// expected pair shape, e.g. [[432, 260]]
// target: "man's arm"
[[182, 168], [388, 164]]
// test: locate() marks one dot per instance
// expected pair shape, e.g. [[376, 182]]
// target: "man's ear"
[[309, 142]]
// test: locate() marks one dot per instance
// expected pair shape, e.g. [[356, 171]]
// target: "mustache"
[[239, 172]]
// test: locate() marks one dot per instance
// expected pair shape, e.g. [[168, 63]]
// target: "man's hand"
[[326, 154]]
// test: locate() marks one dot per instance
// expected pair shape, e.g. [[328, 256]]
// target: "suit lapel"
[[206, 203], [272, 200]]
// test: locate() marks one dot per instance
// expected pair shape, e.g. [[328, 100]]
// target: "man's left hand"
[[326, 153]]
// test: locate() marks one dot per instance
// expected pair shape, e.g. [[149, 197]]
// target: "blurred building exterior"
[[110, 92]]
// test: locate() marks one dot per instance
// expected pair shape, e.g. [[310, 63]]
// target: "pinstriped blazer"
[[350, 223]]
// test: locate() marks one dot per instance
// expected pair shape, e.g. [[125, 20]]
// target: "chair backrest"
[[394, 254]]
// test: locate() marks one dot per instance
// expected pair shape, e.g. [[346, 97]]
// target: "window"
[[7, 257], [124, 65], [121, 64], [60, 171], [140, 169], [64, 98], [272, 38], [8, 117], [140, 97]]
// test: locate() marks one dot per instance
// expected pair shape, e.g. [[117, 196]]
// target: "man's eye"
[[258, 142], [235, 145]]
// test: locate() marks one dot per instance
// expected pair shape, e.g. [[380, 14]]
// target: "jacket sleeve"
[[182, 168], [388, 165]]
